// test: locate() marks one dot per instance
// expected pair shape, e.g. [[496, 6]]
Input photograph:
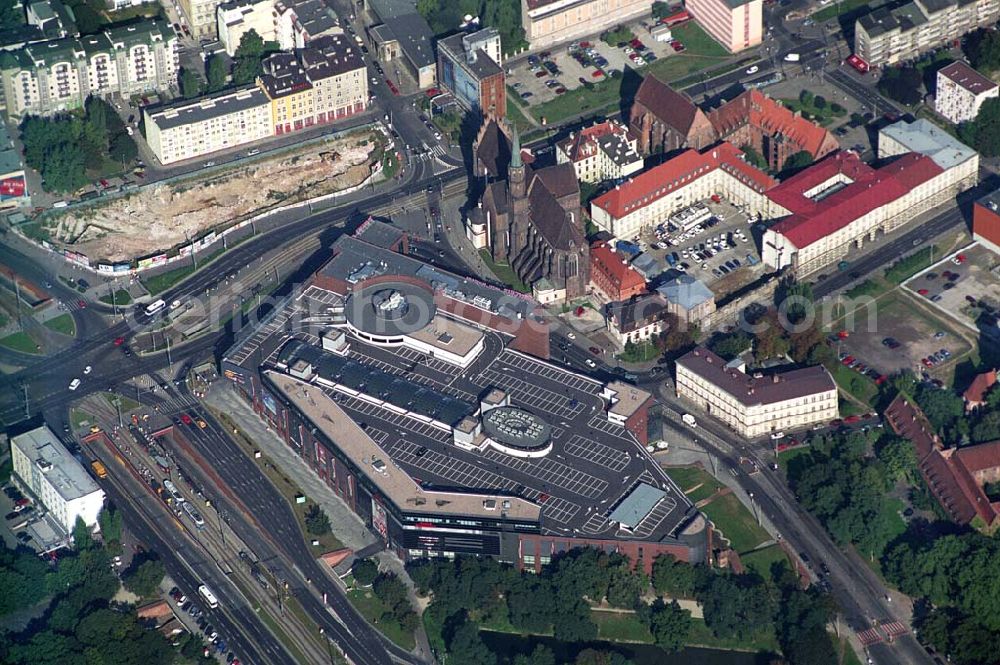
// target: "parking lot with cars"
[[712, 241], [549, 74]]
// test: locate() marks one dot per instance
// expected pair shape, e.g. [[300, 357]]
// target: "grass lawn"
[[160, 283], [604, 94], [126, 403], [847, 655], [620, 627], [79, 418], [63, 324], [365, 601], [763, 560], [688, 477], [20, 341], [855, 384], [697, 42], [639, 353], [822, 116], [871, 288], [736, 523], [674, 67], [701, 636], [504, 273], [836, 9], [516, 115], [121, 297], [786, 456], [904, 269]]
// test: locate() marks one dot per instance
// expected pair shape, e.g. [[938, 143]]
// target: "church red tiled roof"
[[976, 392], [757, 109], [670, 106]]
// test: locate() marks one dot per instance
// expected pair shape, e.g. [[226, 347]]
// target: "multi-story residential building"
[[400, 33], [51, 18], [201, 17], [291, 23], [612, 279], [636, 320], [654, 195], [469, 68], [836, 204], [43, 467], [59, 75], [960, 91], [238, 17], [888, 34], [736, 24], [603, 151], [314, 86], [548, 22], [193, 128], [688, 299], [756, 404], [319, 84]]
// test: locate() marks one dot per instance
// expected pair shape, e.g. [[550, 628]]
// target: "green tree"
[[754, 157], [735, 607], [819, 102], [660, 10], [110, 521], [365, 571], [982, 47], [88, 21], [669, 624], [797, 161], [317, 523], [901, 84], [123, 149], [247, 59], [189, 83], [982, 133], [144, 579], [942, 407], [82, 538], [465, 645], [216, 71], [806, 98], [540, 655], [672, 577], [898, 456], [730, 345], [600, 657]]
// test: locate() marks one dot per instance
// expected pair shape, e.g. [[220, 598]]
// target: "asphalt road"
[[189, 567]]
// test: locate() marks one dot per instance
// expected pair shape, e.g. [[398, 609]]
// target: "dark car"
[[12, 515]]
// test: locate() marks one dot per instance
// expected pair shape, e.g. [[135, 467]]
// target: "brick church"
[[533, 215]]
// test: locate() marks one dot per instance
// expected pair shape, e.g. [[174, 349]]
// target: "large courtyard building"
[[548, 22], [736, 24], [961, 91], [415, 395], [469, 68], [837, 204], [895, 33], [45, 468], [317, 85], [59, 75], [651, 197], [756, 404]]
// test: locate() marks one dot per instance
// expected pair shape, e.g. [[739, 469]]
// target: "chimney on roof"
[[775, 378]]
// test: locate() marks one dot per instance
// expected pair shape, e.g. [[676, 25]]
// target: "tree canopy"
[[983, 133], [444, 17], [901, 84]]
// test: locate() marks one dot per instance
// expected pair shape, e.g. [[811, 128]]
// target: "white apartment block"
[[199, 127], [237, 18], [59, 75], [886, 36], [201, 17], [652, 196], [756, 405], [43, 467], [961, 91], [603, 151]]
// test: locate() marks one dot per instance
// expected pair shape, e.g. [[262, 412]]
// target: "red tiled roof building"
[[611, 277], [664, 120]]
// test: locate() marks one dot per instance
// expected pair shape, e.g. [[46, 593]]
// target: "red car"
[[584, 44], [431, 92], [597, 74], [82, 304], [881, 379], [596, 351], [848, 360], [927, 362], [119, 341], [852, 419], [105, 183], [186, 419], [923, 292]]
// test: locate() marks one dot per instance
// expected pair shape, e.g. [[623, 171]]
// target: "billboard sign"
[[380, 521], [13, 188]]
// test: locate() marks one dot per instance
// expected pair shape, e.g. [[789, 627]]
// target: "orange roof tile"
[[759, 110], [615, 267], [976, 391], [678, 172]]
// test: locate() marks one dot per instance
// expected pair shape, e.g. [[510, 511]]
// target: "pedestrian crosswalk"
[[177, 404], [895, 629], [869, 636], [884, 631]]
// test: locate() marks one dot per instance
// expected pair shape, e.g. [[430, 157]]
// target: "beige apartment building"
[[736, 24], [756, 405], [548, 22], [603, 151], [199, 127], [59, 75], [201, 16], [237, 18], [886, 36], [961, 91]]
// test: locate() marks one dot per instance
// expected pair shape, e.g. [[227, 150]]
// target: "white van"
[[792, 57], [74, 384], [689, 420]]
